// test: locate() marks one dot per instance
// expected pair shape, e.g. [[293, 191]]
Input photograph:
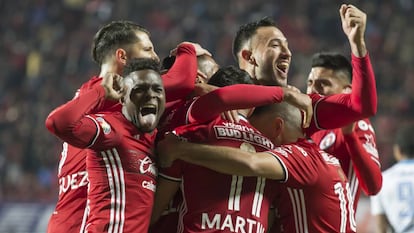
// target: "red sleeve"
[[364, 156], [300, 169], [336, 111], [68, 122], [179, 81], [239, 96]]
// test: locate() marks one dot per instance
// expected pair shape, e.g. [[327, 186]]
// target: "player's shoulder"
[[88, 85], [103, 121], [364, 125]]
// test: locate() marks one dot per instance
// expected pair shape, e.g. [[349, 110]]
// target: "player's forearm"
[[222, 159], [231, 161], [163, 195], [239, 96], [367, 169], [364, 91], [64, 120], [358, 48]]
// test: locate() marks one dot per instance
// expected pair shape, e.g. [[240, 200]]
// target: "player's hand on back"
[[232, 116], [113, 85], [301, 101]]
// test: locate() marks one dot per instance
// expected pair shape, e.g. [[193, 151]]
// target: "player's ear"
[[121, 56], [279, 125], [247, 55]]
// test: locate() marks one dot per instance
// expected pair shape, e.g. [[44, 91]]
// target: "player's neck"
[[108, 68]]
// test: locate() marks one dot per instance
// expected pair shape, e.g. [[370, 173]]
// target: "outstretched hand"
[[301, 101], [113, 85]]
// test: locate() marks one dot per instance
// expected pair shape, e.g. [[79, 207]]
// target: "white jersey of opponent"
[[396, 198]]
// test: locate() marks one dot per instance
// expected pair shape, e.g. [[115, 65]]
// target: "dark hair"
[[246, 32], [333, 61], [136, 64], [112, 36], [405, 140], [230, 75], [167, 62]]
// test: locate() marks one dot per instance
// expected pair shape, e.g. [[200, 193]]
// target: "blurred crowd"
[[45, 57]]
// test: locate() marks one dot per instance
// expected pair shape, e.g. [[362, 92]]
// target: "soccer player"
[[261, 49], [312, 191], [120, 162], [113, 45], [393, 206], [331, 74], [213, 201]]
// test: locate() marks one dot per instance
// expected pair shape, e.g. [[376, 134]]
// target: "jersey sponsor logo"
[[231, 223], [238, 127], [329, 159], [241, 133], [73, 181], [148, 184], [327, 141], [370, 146], [106, 128], [147, 166]]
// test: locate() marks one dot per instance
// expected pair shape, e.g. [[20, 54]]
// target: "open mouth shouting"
[[282, 67], [147, 117]]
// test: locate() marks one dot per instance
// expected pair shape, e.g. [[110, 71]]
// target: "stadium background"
[[45, 56]]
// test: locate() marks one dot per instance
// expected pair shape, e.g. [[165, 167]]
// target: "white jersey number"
[[346, 206]]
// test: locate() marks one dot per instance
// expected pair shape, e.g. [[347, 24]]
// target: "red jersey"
[[366, 171], [204, 109], [119, 162], [215, 202], [71, 212], [315, 196], [238, 203]]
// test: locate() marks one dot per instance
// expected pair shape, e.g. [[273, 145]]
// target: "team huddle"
[[198, 147]]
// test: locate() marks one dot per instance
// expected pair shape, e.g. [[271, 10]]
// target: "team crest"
[[106, 128], [327, 141]]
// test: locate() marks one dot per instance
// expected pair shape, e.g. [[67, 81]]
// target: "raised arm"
[[68, 122], [336, 111], [179, 81], [242, 96]]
